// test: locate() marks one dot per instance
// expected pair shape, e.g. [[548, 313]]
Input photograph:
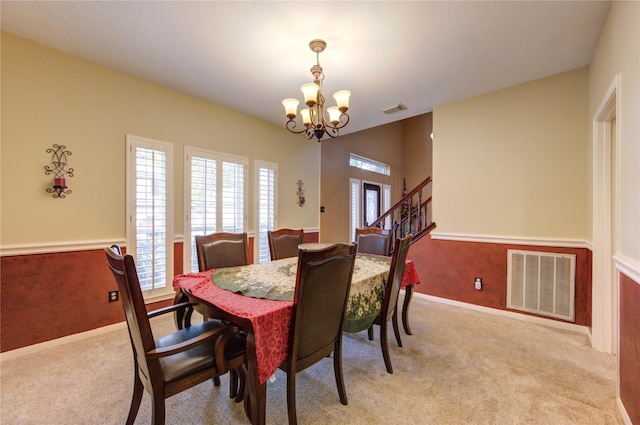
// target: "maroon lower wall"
[[49, 296], [630, 347], [447, 269]]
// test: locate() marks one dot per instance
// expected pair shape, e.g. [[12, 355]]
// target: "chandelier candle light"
[[313, 117]]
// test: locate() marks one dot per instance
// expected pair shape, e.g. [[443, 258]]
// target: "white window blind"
[[233, 176], [355, 208], [203, 202], [266, 176], [386, 204], [149, 224], [214, 198]]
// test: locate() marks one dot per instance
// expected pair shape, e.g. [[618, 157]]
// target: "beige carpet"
[[459, 367]]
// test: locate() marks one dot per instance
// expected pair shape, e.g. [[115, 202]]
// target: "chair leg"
[[233, 383], [181, 313], [337, 369], [396, 329], [291, 396], [157, 410], [370, 332], [408, 293], [385, 347], [187, 317], [136, 398], [243, 379], [216, 381]]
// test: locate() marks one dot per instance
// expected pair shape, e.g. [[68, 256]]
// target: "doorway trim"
[[604, 322]]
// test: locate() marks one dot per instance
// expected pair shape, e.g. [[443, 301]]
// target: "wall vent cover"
[[542, 283]]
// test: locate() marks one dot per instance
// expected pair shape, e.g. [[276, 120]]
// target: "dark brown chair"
[[173, 363], [373, 240], [323, 282], [214, 251], [389, 309], [222, 250], [283, 243]]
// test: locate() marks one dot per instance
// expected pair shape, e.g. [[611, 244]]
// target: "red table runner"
[[270, 319]]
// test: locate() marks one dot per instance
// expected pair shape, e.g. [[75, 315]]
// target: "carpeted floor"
[[460, 366]]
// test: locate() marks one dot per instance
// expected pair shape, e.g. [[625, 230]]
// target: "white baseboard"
[[623, 412], [524, 317], [8, 355]]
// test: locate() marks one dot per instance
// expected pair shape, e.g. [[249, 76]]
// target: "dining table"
[[259, 299]]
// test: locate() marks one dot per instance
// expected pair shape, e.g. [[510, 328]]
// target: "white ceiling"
[[248, 56]]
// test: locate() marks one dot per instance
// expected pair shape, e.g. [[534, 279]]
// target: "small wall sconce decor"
[[59, 171], [300, 193]]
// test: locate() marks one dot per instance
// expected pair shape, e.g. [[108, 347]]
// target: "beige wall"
[[618, 54], [404, 145], [417, 149], [382, 144], [52, 98], [513, 163]]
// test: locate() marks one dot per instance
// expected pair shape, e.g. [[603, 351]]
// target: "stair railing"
[[411, 214]]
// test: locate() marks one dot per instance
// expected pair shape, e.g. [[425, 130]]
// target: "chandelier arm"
[[341, 124], [331, 132], [309, 133], [291, 125]]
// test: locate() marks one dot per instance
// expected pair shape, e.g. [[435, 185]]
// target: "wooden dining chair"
[[283, 243], [373, 240], [323, 281], [214, 251], [389, 311], [172, 363], [222, 249]]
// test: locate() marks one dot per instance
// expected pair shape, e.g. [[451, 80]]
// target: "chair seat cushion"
[[198, 358]]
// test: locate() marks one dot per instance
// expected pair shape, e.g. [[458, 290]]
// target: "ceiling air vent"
[[395, 108]]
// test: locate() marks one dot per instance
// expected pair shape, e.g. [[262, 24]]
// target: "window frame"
[[132, 144], [188, 238], [368, 164], [261, 240]]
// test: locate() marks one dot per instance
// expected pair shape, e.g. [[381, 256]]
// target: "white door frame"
[[604, 303]]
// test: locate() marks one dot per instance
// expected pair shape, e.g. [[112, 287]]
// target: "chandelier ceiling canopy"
[[313, 118]]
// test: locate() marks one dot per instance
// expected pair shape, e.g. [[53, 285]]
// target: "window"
[[356, 210], [266, 195], [149, 224], [386, 204], [214, 197], [369, 164]]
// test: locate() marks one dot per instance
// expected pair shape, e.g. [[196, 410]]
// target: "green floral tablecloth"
[[275, 280]]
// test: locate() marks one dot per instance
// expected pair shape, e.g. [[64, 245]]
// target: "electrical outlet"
[[478, 283], [113, 296]]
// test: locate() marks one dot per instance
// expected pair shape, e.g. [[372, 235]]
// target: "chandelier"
[[313, 118]]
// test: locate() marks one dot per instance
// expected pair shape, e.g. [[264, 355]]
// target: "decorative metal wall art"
[[59, 170]]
